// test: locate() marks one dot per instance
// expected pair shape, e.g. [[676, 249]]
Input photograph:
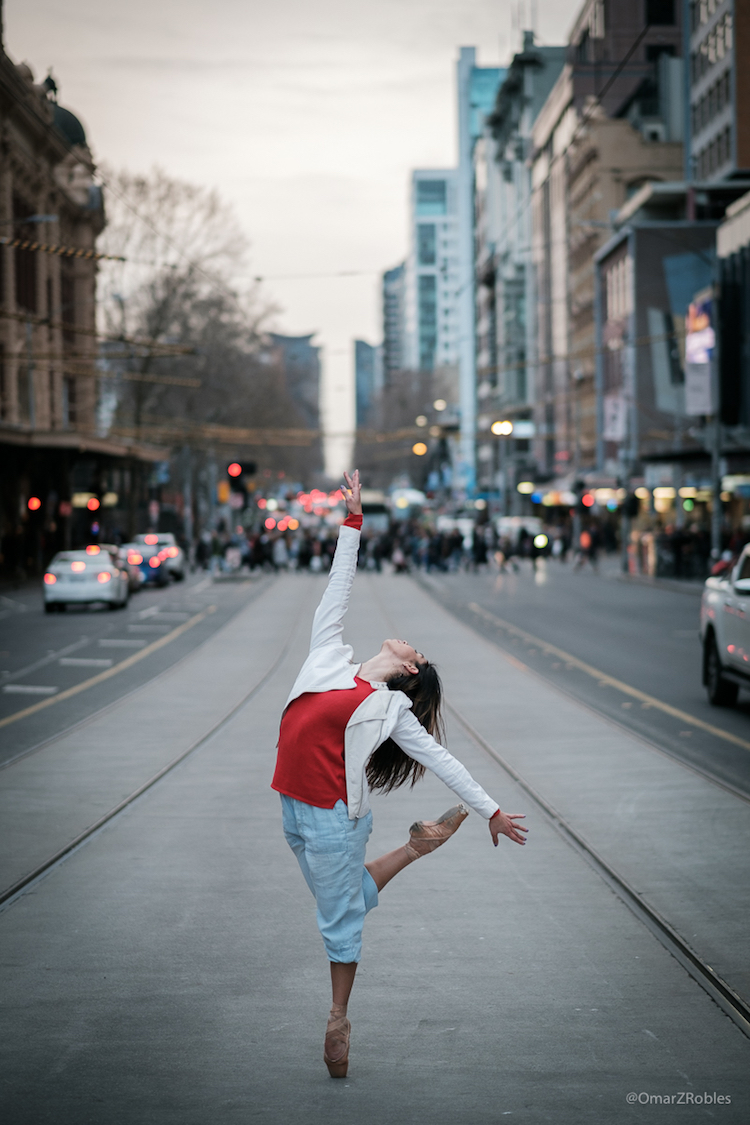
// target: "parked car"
[[725, 632], [149, 560], [173, 554], [133, 570], [85, 576]]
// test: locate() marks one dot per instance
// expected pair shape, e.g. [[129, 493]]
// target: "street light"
[[421, 420], [439, 404], [502, 429], [419, 448]]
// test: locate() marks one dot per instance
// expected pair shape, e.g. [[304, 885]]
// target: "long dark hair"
[[389, 767]]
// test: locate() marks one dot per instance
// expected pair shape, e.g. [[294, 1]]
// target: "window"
[[427, 312], [431, 197], [26, 260], [426, 244], [660, 13]]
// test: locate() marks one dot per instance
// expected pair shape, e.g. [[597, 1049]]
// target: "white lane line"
[[10, 677], [85, 662], [28, 689], [116, 642]]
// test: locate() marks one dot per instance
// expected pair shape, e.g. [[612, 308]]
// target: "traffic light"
[[238, 473]]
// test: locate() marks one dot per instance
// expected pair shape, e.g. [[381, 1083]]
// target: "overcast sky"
[[306, 114]]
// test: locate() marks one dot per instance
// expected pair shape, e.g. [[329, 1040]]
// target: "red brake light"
[[103, 576], [34, 504], [92, 549], [152, 540], [93, 504], [154, 561], [78, 567], [172, 552], [50, 579], [134, 558]]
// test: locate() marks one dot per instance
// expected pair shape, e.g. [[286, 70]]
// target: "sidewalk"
[[170, 971]]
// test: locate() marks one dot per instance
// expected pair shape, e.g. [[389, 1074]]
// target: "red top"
[[310, 761]]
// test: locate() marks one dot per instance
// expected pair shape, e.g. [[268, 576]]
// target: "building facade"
[[431, 280], [505, 290], [394, 317], [717, 45], [605, 129], [62, 482], [368, 379]]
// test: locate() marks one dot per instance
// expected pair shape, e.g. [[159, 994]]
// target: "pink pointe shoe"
[[336, 1049], [426, 835]]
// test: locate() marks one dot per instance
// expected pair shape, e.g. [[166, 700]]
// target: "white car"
[[88, 575], [725, 633], [173, 555]]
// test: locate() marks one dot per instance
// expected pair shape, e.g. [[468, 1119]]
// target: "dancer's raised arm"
[[328, 623]]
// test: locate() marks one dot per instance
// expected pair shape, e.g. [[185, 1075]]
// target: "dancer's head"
[[389, 767], [403, 659]]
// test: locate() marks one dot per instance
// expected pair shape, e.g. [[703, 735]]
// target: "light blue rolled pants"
[[330, 849]]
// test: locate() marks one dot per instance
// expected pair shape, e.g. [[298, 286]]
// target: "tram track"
[[21, 886], [730, 1002]]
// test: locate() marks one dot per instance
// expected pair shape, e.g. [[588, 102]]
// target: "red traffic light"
[[234, 469]]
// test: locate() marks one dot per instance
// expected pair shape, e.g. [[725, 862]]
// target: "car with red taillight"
[[172, 554], [149, 561], [82, 577]]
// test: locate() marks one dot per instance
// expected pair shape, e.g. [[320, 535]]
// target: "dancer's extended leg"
[[424, 836]]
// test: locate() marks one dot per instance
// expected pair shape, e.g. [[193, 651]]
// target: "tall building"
[[718, 48], [299, 359], [368, 378], [431, 329], [476, 90], [505, 291], [611, 123], [394, 315]]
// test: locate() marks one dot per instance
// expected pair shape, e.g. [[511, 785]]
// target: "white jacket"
[[384, 713]]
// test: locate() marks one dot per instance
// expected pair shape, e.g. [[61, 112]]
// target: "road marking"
[[117, 642], [149, 628], [610, 681], [85, 662], [102, 676], [28, 689]]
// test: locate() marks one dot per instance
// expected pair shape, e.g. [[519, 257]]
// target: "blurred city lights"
[[419, 448], [421, 420], [293, 524], [643, 493], [272, 505], [103, 576], [154, 561], [540, 540], [261, 503], [92, 504], [134, 558], [152, 540], [688, 504], [502, 428], [34, 504], [93, 549], [439, 404], [77, 567], [525, 487], [50, 579], [234, 469], [588, 500], [270, 524]]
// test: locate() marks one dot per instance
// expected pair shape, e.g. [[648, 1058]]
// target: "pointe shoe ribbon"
[[337, 1036], [426, 835]]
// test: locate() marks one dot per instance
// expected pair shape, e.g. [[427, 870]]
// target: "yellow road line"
[[102, 676], [610, 681]]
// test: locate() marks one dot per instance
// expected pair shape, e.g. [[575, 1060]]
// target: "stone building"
[[61, 481]]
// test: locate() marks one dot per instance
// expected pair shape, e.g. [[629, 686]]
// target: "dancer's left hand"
[[502, 824]]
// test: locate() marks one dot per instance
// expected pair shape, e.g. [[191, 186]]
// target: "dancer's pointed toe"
[[427, 835], [336, 1049]]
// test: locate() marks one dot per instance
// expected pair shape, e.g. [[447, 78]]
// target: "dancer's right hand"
[[502, 824], [352, 494]]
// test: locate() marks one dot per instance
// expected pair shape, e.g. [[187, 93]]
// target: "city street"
[[168, 967]]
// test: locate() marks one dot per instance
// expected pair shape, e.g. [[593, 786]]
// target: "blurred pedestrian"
[[346, 728]]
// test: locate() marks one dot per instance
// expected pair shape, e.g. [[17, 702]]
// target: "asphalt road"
[[56, 670], [645, 637]]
